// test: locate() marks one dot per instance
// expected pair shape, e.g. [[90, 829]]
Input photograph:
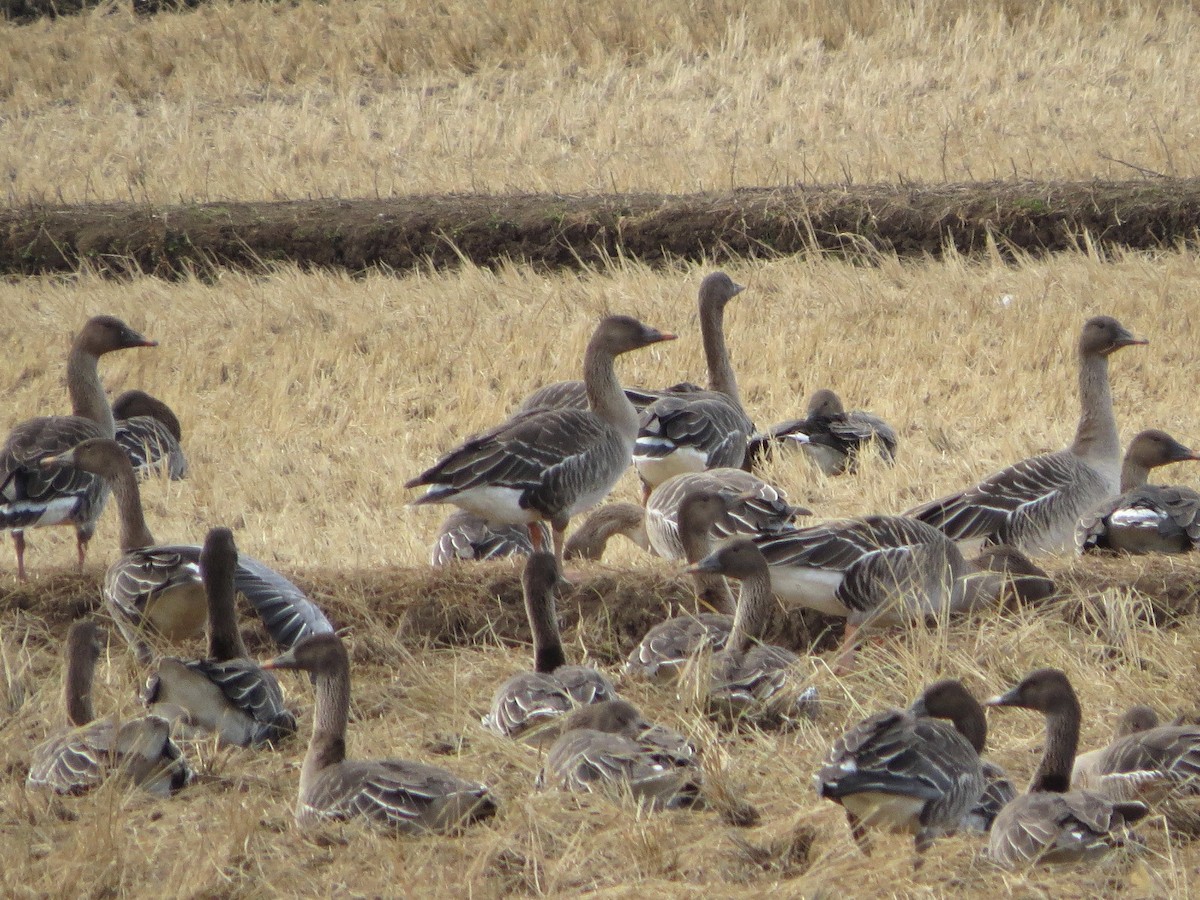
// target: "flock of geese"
[[517, 487]]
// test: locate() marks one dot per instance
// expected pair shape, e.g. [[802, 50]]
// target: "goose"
[[150, 433], [949, 699], [549, 464], [33, 496], [697, 430], [403, 796], [466, 537], [1145, 518], [831, 437], [885, 570], [610, 746], [157, 587], [667, 648], [91, 750], [750, 679], [905, 771], [1052, 822], [1035, 503], [1146, 761], [590, 539], [527, 702], [226, 693], [573, 395]]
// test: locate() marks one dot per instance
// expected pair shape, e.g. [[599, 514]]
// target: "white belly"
[[657, 469], [891, 811], [495, 505], [811, 588]]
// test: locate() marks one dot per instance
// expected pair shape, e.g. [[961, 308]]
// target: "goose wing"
[[835, 546], [525, 702], [1059, 827], [31, 495], [1171, 514], [587, 760], [465, 536], [667, 647], [706, 423], [151, 447], [1150, 764]]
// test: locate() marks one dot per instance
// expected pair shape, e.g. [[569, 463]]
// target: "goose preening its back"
[[610, 747], [1035, 503], [529, 702], [150, 433], [697, 430], [226, 693], [158, 587], [92, 750], [1052, 822], [885, 570], [549, 464], [398, 794], [1145, 518], [749, 678], [34, 496], [1146, 761], [829, 435], [903, 770]]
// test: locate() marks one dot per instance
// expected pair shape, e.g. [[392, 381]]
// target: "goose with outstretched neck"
[[1052, 822], [829, 435], [750, 679], [157, 588], [1145, 518], [150, 432], [35, 496], [528, 702], [226, 693], [92, 750], [1034, 504], [908, 770], [398, 794], [692, 431], [547, 465]]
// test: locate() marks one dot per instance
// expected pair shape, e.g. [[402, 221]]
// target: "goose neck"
[[134, 533], [327, 747], [224, 636], [1062, 740], [716, 354], [1096, 437], [81, 668], [88, 399], [606, 398], [547, 645], [1133, 474], [753, 613]]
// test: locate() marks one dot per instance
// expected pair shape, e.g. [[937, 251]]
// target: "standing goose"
[[1052, 822], [669, 646], [466, 537], [831, 437], [1034, 504], [33, 496], [549, 464], [528, 701], [751, 679], [227, 693], [698, 430], [1145, 518], [884, 570], [405, 796], [1146, 761], [158, 587], [609, 746], [905, 771], [92, 750], [149, 431]]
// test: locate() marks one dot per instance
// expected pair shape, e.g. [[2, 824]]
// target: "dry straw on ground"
[[307, 398]]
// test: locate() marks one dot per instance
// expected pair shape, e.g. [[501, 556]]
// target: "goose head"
[[611, 716], [1136, 719], [1044, 690], [590, 539], [825, 403], [620, 334], [1103, 335], [949, 699], [1153, 448], [739, 559], [716, 290], [318, 654], [104, 334]]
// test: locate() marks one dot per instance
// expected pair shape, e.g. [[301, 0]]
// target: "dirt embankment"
[[554, 231]]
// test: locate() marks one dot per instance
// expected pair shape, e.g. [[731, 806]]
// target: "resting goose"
[[610, 747], [33, 496], [1146, 761], [92, 750], [549, 464], [527, 702], [831, 437], [227, 693], [883, 570], [698, 430], [1034, 504], [150, 433], [404, 796], [158, 587], [905, 771], [1145, 518], [1053, 822], [590, 539], [752, 680], [466, 537]]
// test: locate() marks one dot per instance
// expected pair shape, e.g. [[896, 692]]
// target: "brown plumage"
[[1146, 761], [829, 435], [150, 433]]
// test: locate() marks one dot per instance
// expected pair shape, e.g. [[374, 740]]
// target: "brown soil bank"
[[571, 230]]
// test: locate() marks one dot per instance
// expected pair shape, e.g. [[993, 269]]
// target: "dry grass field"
[[308, 398]]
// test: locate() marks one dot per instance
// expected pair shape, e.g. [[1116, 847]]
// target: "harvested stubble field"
[[308, 397]]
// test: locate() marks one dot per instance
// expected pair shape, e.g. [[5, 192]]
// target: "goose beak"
[[708, 564], [918, 708], [1009, 698], [61, 459], [660, 336], [132, 339], [737, 289], [282, 661], [1128, 339]]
